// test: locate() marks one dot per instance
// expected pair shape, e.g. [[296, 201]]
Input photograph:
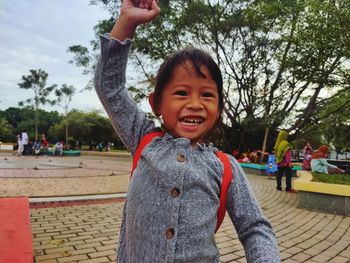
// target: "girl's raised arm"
[[110, 78]]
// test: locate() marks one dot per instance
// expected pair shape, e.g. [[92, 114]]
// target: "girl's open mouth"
[[187, 121]]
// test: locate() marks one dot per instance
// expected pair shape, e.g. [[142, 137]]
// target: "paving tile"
[[90, 231]]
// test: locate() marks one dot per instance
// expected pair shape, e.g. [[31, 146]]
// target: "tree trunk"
[[66, 113], [263, 148], [66, 133], [36, 123]]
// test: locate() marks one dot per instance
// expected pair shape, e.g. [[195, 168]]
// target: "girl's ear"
[[151, 103]]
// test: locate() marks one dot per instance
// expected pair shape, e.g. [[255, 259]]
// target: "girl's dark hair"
[[198, 58]]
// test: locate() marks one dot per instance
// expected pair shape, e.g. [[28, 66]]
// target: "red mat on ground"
[[15, 231]]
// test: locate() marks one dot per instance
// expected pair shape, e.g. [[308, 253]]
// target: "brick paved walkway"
[[89, 233]]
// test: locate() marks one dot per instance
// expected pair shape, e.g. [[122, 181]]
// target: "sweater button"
[[180, 158], [175, 192], [170, 233]]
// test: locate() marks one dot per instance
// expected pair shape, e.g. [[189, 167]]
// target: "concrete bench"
[[329, 198], [15, 231], [260, 169]]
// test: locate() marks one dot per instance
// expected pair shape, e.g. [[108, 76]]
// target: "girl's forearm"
[[122, 29]]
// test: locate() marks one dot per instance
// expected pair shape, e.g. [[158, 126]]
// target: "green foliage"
[[81, 58], [334, 120], [21, 119], [64, 97], [331, 178], [282, 61], [89, 128], [5, 130], [36, 81]]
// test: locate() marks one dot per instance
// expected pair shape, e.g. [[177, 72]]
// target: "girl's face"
[[189, 103]]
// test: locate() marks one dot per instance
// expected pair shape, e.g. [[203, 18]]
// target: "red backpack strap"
[[226, 179], [143, 143]]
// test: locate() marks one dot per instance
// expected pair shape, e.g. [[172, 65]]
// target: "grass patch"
[[331, 178]]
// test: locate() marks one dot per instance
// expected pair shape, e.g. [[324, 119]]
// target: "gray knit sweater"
[[173, 198]]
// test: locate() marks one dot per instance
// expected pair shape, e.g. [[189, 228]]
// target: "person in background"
[[77, 145], [25, 141], [20, 145], [108, 147], [44, 144], [100, 146], [235, 153], [270, 166], [58, 147], [307, 155], [36, 147], [319, 163], [283, 152]]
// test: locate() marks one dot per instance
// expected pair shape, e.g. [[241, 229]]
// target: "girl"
[[319, 162], [270, 166], [173, 197]]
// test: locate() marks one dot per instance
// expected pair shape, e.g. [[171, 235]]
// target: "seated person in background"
[[100, 147], [319, 163], [58, 147], [235, 153], [36, 147], [243, 158], [253, 156], [44, 144]]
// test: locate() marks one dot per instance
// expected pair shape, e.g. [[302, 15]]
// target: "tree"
[[5, 130], [89, 128], [65, 95], [36, 81], [281, 60], [335, 121], [23, 119]]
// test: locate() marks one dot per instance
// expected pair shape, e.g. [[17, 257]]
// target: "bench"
[[260, 169], [15, 231]]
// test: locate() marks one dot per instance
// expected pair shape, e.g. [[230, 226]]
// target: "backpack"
[[227, 176]]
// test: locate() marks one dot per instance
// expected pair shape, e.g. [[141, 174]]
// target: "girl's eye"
[[208, 94], [181, 93]]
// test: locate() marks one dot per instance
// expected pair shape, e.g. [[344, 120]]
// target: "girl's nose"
[[194, 103]]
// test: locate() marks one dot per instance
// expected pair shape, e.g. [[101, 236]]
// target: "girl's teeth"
[[192, 120]]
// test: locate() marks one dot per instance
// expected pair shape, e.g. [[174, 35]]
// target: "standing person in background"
[[283, 152], [319, 163], [307, 155], [25, 141], [20, 145]]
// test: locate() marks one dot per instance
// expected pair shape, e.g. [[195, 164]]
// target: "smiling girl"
[[170, 214]]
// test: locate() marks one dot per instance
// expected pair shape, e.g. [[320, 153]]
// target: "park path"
[[87, 231]]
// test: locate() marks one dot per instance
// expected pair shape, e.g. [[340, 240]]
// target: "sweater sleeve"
[[327, 164], [129, 122], [253, 229]]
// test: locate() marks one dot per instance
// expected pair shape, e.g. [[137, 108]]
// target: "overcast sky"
[[36, 34]]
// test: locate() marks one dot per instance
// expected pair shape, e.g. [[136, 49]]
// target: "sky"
[[35, 34]]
